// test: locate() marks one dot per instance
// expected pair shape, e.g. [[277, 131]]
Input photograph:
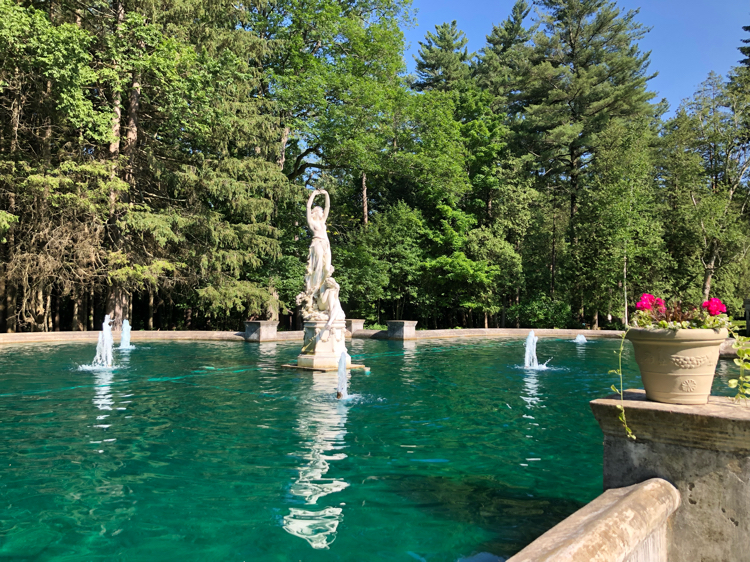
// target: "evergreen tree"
[[746, 49], [443, 59], [506, 55]]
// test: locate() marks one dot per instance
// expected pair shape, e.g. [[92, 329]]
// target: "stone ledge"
[[720, 425], [612, 527]]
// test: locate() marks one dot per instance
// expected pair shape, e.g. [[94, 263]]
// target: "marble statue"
[[325, 325], [320, 297]]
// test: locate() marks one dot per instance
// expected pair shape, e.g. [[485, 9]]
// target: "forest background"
[[155, 161]]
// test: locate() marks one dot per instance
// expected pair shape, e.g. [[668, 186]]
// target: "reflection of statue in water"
[[320, 299]]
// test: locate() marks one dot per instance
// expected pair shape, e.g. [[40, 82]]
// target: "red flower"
[[647, 302], [714, 306]]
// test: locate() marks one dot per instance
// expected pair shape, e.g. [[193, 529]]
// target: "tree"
[[706, 161], [443, 59]]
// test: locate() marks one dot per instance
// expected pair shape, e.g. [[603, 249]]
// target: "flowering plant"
[[653, 314]]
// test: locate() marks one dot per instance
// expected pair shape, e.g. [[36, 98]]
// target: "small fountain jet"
[[342, 392], [103, 356]]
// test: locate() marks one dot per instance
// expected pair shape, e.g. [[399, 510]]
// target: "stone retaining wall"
[[622, 525]]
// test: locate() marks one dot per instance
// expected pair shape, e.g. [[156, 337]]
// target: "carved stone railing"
[[622, 525]]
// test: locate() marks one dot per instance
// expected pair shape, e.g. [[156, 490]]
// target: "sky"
[[688, 38]]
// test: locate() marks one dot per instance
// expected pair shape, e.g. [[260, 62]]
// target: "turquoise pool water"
[[212, 452]]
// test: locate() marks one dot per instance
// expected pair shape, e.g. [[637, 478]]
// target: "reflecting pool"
[[196, 451]]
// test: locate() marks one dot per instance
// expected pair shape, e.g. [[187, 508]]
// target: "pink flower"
[[647, 302], [660, 306], [714, 306]]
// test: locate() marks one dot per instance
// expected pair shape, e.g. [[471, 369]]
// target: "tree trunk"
[[710, 270], [282, 149], [48, 311], [47, 137], [56, 315], [150, 321], [131, 136], [76, 315], [364, 198], [79, 310], [11, 320], [554, 255], [15, 112], [117, 306], [486, 321], [90, 315], [595, 323], [3, 327]]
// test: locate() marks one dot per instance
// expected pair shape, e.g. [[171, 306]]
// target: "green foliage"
[[442, 62], [741, 383], [620, 391], [164, 151], [541, 312]]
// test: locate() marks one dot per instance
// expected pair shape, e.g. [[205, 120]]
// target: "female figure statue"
[[319, 266], [329, 302]]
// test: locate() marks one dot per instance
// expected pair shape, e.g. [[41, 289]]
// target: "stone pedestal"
[[402, 329], [260, 330], [354, 325], [704, 451], [322, 348]]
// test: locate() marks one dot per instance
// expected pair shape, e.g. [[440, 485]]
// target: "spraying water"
[[342, 392], [125, 337], [530, 361], [580, 338], [104, 346]]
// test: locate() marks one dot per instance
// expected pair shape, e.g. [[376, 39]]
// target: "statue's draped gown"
[[318, 264]]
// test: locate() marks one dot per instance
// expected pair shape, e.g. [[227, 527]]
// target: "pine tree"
[[506, 55], [443, 59], [746, 49]]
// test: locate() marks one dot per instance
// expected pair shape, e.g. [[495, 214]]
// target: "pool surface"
[[195, 451]]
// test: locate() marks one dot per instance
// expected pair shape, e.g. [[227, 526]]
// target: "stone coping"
[[609, 528], [720, 425], [148, 335], [493, 332]]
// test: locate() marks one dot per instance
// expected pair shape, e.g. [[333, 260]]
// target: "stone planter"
[[677, 366]]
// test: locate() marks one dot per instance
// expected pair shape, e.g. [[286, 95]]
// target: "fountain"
[[580, 338], [125, 337], [342, 393], [103, 356], [530, 361]]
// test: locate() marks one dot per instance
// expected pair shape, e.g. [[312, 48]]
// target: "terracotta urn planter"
[[677, 366]]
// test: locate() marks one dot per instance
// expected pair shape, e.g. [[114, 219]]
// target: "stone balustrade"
[[622, 525]]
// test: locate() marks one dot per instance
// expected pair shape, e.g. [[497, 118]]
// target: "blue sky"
[[688, 38]]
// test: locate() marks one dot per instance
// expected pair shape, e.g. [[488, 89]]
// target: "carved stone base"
[[323, 347]]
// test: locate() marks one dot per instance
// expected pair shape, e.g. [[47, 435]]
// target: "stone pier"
[[402, 329], [704, 451], [354, 325], [260, 330]]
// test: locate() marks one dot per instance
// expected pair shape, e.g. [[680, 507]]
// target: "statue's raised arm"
[[328, 204], [309, 206]]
